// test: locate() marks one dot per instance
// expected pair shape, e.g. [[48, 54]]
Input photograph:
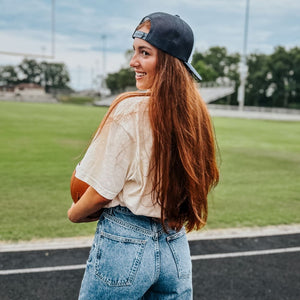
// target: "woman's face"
[[144, 62]]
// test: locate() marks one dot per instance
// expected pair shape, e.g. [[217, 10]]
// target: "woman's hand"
[[88, 208], [92, 218]]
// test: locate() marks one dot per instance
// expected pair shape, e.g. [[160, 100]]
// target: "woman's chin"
[[142, 87]]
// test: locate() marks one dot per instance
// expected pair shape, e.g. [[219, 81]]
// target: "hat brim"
[[192, 70]]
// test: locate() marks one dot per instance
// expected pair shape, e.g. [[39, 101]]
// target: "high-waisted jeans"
[[133, 258]]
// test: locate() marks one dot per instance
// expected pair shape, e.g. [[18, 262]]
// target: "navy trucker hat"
[[172, 35]]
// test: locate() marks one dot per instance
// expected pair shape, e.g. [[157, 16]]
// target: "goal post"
[[50, 56]]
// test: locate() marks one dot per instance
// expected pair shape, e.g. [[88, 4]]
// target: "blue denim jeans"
[[133, 258]]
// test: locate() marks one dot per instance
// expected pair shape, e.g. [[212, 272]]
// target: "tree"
[[117, 82], [125, 77], [258, 88], [216, 64], [217, 58], [29, 71], [207, 72], [48, 75], [281, 68], [295, 78], [8, 75], [274, 80], [54, 76]]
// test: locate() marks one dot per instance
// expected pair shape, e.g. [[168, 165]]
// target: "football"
[[77, 187]]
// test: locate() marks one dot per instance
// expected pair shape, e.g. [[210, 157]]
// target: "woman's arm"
[[89, 203]]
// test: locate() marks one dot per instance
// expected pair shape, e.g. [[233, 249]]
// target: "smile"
[[140, 74]]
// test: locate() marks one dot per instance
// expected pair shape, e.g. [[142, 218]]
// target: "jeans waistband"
[[123, 216]]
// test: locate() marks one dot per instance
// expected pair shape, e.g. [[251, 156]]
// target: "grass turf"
[[41, 144], [260, 173]]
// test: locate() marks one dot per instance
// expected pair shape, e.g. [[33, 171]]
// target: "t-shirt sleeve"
[[108, 160]]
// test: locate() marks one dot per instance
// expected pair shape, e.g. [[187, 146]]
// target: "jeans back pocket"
[[118, 259], [181, 254]]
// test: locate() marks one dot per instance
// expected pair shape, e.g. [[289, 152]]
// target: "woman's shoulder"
[[131, 105], [129, 113]]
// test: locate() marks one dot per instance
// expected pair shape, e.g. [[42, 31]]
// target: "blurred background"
[[76, 55], [247, 51]]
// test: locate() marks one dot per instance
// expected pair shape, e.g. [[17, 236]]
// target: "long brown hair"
[[183, 162], [184, 149]]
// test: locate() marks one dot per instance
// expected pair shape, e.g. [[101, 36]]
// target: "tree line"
[[48, 75], [273, 80]]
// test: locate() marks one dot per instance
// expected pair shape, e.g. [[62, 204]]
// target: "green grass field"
[[41, 145]]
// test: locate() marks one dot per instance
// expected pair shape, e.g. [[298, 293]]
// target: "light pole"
[[103, 87], [53, 28], [243, 64], [103, 37]]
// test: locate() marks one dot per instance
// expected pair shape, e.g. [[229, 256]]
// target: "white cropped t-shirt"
[[116, 163]]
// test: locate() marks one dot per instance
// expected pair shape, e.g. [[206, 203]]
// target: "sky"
[[92, 36]]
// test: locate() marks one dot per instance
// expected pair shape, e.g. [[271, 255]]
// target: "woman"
[[150, 166]]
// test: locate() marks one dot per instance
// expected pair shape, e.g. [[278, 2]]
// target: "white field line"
[[246, 232], [211, 234], [44, 269], [245, 253], [194, 257]]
